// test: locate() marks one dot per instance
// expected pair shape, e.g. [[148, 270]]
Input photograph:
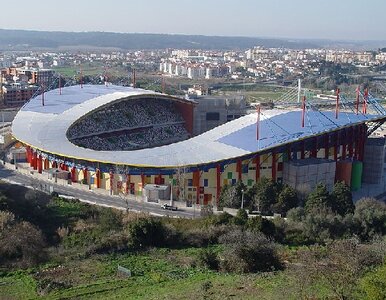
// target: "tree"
[[370, 216], [264, 194], [342, 199], [241, 217], [231, 196], [319, 198], [286, 200]]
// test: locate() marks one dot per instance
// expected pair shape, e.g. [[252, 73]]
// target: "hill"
[[25, 39]]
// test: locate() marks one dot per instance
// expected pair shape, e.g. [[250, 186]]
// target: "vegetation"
[[73, 250]]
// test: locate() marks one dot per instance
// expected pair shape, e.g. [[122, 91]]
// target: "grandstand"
[[120, 139], [128, 125]]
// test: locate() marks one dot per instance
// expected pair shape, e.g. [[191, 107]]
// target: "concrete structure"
[[213, 111], [199, 167], [156, 192], [373, 160], [304, 174]]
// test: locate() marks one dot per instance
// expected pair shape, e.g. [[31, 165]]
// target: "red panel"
[[98, 178], [73, 174], [85, 174], [257, 167], [46, 163], [303, 150], [326, 146], [218, 183], [343, 172], [196, 178], [273, 166], [186, 110], [239, 169], [40, 164]]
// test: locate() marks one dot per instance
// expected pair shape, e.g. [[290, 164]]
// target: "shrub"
[[219, 219], [113, 243], [370, 216], [342, 199], [246, 251], [241, 217], [22, 242], [146, 232], [319, 198], [260, 224], [207, 257], [110, 219]]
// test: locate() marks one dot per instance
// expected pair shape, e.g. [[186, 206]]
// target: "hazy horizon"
[[355, 20]]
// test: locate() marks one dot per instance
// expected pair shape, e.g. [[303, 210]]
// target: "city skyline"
[[297, 19]]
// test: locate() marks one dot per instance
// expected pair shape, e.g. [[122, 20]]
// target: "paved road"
[[15, 177]]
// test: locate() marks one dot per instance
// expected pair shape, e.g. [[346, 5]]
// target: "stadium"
[[120, 139]]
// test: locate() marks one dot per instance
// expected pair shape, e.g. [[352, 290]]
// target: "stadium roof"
[[45, 127]]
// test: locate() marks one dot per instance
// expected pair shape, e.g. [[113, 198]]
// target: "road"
[[12, 176]]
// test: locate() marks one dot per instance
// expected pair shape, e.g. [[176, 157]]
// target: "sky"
[[300, 19]]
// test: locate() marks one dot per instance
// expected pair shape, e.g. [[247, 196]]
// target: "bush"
[[146, 232], [241, 217], [246, 251], [260, 224], [370, 216], [373, 285], [24, 243], [207, 257], [219, 219], [110, 219], [113, 243]]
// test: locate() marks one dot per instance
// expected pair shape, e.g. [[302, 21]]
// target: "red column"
[[143, 180], [257, 175], [40, 164], [289, 152], [273, 166], [35, 161], [196, 183], [127, 183], [356, 140], [73, 174], [314, 152], [239, 169], [98, 178], [46, 164], [111, 181], [336, 145], [218, 183], [85, 171], [326, 146], [350, 142], [362, 141], [27, 153]]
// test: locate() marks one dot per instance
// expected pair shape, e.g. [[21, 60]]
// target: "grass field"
[[156, 274]]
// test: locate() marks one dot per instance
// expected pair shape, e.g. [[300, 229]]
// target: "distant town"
[[23, 74]]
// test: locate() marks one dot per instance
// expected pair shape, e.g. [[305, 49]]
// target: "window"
[[212, 116]]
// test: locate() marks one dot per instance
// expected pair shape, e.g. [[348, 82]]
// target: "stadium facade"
[[197, 167]]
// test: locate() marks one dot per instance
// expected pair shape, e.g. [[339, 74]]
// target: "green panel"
[[174, 181], [250, 182], [356, 175], [230, 175]]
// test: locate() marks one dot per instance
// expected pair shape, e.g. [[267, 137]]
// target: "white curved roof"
[[45, 127]]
